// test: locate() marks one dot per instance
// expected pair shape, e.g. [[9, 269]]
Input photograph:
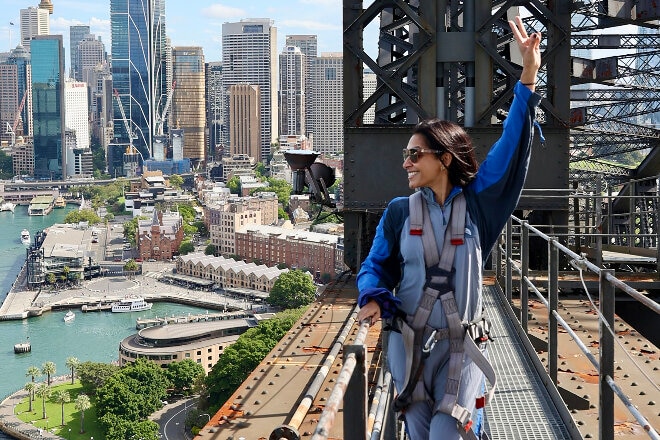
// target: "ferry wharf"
[[99, 293]]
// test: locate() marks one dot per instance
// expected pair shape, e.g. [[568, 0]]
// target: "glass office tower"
[[138, 68], [48, 106]]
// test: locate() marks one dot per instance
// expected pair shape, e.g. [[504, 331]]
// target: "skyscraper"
[[138, 67], [215, 111], [326, 117], [308, 45], [89, 55], [187, 107], [21, 59], [48, 106], [10, 101], [76, 35], [34, 21], [244, 120], [76, 111], [249, 56], [292, 92]]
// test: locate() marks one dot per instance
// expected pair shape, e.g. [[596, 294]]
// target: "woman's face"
[[423, 166]]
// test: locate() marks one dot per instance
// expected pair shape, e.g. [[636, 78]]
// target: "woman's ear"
[[446, 159]]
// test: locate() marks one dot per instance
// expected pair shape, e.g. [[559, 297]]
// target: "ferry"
[[60, 202], [69, 316], [6, 206], [25, 236], [131, 304]]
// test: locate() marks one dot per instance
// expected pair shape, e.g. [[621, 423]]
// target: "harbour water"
[[90, 337]]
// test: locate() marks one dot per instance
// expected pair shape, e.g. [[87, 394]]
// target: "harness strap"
[[420, 224]]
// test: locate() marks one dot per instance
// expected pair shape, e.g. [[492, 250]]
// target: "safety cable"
[[579, 264]]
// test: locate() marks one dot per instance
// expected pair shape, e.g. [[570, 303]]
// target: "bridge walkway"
[[273, 395]]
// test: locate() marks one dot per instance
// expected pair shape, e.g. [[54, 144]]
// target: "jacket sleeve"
[[380, 272], [496, 189]]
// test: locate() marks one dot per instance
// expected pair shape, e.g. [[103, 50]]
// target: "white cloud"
[[310, 25], [224, 12]]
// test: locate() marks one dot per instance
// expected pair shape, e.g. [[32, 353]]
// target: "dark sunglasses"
[[415, 153]]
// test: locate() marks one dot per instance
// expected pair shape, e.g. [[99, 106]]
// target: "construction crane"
[[127, 126], [12, 129], [160, 119]]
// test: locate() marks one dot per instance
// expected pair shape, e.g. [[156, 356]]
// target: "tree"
[[131, 267], [62, 397], [82, 404], [184, 374], [292, 289], [85, 215], [48, 368], [93, 375], [210, 249], [176, 181], [72, 363], [30, 387], [186, 247], [43, 391], [50, 278], [33, 372], [234, 184], [66, 270]]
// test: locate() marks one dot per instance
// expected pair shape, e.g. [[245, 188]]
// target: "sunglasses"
[[415, 153]]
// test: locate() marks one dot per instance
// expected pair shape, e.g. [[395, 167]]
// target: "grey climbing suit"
[[419, 338]]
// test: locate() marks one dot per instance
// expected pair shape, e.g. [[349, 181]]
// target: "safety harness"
[[419, 338]]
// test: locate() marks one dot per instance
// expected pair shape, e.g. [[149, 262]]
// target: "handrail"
[[352, 359], [608, 282]]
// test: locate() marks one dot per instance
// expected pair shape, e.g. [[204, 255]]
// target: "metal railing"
[[607, 282]]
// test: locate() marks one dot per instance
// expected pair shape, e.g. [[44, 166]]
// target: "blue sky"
[[191, 23]]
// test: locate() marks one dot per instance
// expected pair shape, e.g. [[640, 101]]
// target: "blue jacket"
[[396, 259]]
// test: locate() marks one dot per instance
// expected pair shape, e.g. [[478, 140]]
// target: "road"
[[171, 419]]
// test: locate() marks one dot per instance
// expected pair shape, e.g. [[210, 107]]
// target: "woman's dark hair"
[[447, 136]]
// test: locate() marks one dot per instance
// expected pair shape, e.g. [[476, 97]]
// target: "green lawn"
[[53, 420]]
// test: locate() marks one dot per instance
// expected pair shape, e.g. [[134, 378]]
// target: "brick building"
[[160, 237], [272, 245]]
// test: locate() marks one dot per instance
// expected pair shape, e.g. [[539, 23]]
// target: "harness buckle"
[[430, 343]]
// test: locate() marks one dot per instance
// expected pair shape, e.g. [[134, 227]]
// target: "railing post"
[[355, 399], [599, 221], [524, 289], [553, 294], [606, 359], [508, 282], [498, 261]]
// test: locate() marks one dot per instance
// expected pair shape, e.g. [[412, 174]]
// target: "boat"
[[60, 202], [131, 304], [25, 236], [6, 206], [69, 316]]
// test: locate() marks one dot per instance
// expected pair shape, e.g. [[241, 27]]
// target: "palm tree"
[[30, 387], [72, 363], [82, 404], [48, 368], [62, 397], [33, 372], [43, 391]]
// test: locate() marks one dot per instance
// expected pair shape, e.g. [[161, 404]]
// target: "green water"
[[91, 336]]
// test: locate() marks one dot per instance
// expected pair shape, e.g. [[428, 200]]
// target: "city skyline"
[[184, 21]]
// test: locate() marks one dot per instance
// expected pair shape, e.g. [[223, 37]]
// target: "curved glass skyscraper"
[[138, 68]]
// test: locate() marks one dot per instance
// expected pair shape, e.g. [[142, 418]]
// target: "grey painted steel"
[[553, 300], [522, 408]]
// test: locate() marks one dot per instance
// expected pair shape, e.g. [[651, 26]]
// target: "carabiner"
[[430, 343]]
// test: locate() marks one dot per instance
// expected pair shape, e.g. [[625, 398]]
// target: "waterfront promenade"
[[21, 303]]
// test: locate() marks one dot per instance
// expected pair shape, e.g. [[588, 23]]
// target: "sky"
[[190, 23]]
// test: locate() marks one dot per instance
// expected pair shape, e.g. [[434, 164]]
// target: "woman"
[[440, 162]]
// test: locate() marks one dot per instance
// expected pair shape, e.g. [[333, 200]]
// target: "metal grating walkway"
[[522, 408]]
